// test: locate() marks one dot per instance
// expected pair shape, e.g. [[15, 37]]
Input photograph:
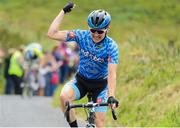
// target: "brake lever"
[[114, 114]]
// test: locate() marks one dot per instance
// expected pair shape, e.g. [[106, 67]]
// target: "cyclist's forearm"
[[112, 84], [54, 27], [112, 79]]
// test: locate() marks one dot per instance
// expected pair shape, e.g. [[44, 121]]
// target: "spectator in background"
[[9, 85], [56, 54], [74, 58], [59, 59], [51, 76], [64, 69], [41, 76], [2, 54], [16, 69], [67, 57]]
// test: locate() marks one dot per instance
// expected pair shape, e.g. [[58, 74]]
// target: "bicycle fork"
[[91, 118]]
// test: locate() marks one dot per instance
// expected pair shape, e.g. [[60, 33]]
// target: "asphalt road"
[[16, 111]]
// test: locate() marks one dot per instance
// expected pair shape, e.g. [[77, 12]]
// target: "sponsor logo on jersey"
[[99, 46], [93, 57]]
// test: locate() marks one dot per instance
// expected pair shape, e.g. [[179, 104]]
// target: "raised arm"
[[54, 32]]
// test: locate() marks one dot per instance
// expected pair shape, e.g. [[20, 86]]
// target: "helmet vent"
[[92, 19], [96, 22], [100, 21]]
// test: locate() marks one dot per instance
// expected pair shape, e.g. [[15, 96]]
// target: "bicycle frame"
[[91, 118]]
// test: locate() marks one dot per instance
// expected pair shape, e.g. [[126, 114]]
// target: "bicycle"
[[90, 107], [30, 80]]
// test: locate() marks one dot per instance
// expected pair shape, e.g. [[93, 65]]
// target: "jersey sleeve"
[[74, 35], [113, 53]]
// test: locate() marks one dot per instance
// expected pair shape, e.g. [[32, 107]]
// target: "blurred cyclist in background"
[[97, 63], [33, 52]]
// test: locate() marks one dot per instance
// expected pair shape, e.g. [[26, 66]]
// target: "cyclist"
[[33, 51], [32, 54], [98, 62]]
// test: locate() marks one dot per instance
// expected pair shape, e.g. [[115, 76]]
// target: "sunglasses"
[[98, 31]]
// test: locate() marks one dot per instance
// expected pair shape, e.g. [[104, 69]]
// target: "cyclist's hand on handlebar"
[[113, 102], [68, 7]]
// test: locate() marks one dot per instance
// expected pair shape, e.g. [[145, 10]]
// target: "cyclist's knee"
[[64, 97]]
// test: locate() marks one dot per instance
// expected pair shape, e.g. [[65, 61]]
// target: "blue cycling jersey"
[[94, 57]]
